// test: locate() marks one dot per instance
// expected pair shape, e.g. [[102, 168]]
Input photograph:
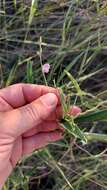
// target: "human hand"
[[28, 121]]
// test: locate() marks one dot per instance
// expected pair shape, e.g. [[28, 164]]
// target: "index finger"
[[20, 94]]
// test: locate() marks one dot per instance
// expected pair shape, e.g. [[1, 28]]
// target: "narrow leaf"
[[73, 129], [63, 102], [11, 75], [75, 83], [96, 116], [30, 72], [96, 137]]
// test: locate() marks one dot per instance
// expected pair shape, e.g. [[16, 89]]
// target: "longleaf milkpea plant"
[[71, 123]]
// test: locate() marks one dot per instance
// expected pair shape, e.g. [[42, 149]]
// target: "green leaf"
[[76, 85], [33, 10], [30, 72], [96, 137], [68, 67], [63, 102], [95, 116], [11, 75], [73, 129]]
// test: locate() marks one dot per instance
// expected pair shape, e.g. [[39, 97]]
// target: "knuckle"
[[45, 111], [33, 113], [6, 132]]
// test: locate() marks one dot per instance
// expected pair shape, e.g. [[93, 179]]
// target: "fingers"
[[52, 124], [21, 120], [40, 140], [4, 106], [55, 115], [4, 174], [47, 126], [20, 94], [16, 152], [75, 110]]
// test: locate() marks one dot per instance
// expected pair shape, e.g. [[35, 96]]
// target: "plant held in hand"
[[70, 123]]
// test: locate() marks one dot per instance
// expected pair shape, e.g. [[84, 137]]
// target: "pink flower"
[[46, 68]]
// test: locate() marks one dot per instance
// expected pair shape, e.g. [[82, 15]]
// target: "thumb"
[[29, 116]]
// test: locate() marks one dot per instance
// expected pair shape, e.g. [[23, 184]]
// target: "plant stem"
[[96, 137]]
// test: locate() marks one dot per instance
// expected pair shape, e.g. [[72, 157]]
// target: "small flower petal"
[[46, 68]]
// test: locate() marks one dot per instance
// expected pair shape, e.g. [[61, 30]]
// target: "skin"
[[28, 121]]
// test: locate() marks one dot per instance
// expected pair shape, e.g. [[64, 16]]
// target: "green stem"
[[96, 137]]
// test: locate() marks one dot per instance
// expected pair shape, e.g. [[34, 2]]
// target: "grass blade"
[[30, 72], [96, 116], [63, 102], [68, 68], [74, 82], [96, 137], [11, 75], [33, 10], [73, 129]]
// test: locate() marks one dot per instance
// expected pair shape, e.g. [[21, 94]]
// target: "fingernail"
[[49, 99]]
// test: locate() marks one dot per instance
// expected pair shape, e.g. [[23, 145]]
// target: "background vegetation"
[[71, 35]]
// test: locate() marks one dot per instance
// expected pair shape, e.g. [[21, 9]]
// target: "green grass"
[[69, 35]]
